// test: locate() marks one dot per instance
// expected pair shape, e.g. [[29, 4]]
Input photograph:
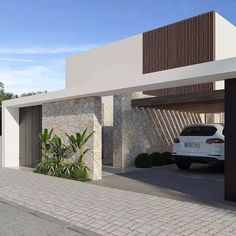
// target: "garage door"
[[30, 127]]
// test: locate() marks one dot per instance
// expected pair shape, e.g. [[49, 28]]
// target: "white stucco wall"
[[10, 136], [108, 64], [225, 40]]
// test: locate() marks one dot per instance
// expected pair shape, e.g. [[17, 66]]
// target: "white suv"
[[201, 143]]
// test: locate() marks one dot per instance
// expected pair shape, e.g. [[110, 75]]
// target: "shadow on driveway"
[[202, 183]]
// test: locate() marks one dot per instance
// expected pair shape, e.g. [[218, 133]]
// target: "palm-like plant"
[[45, 138], [77, 142], [58, 148]]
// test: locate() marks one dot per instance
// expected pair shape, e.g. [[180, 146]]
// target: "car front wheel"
[[183, 165]]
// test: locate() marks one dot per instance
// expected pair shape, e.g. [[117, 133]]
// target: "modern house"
[[136, 94]]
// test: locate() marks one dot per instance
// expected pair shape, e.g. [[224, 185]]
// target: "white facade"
[[117, 69], [225, 39], [110, 64]]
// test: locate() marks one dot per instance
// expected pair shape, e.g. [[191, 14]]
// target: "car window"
[[199, 131]]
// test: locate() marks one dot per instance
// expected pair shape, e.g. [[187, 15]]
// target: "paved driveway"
[[109, 211], [202, 183]]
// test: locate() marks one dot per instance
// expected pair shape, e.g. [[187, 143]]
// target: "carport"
[[202, 183]]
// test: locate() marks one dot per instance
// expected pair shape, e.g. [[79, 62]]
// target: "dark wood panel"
[[187, 89], [200, 102], [30, 126], [28, 137], [230, 141], [36, 129], [183, 43], [195, 107], [22, 137]]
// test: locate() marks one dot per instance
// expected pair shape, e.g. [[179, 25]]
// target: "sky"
[[37, 35]]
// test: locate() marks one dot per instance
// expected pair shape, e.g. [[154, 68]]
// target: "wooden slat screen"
[[184, 43], [188, 89]]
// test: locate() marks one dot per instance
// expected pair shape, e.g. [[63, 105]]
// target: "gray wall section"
[[138, 130], [107, 145], [30, 127]]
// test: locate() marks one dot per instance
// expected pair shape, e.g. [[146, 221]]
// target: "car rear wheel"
[[183, 165]]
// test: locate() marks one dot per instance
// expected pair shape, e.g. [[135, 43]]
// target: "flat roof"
[[194, 74]]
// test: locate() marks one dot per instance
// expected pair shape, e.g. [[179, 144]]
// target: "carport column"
[[121, 143], [73, 116], [230, 140]]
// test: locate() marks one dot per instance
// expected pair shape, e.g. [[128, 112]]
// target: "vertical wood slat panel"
[[22, 137], [180, 44], [184, 43], [28, 133], [30, 126]]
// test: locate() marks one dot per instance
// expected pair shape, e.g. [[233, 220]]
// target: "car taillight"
[[176, 140], [214, 140]]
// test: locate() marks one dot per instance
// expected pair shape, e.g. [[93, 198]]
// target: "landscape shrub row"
[[144, 160]]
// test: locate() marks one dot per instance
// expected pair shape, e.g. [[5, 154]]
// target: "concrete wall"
[[73, 116], [138, 130]]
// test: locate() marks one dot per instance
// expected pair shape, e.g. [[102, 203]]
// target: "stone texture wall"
[[138, 130], [73, 116]]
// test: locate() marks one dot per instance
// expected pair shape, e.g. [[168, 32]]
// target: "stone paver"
[[108, 211]]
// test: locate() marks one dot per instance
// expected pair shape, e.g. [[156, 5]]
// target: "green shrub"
[[75, 171], [157, 159], [55, 154], [66, 170], [143, 160], [168, 158], [43, 167]]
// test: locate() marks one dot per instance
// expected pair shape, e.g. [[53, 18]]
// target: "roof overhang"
[[194, 74], [210, 102]]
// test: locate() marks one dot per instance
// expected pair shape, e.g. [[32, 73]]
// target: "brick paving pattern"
[[109, 211]]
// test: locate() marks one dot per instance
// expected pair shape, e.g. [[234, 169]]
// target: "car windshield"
[[199, 131]]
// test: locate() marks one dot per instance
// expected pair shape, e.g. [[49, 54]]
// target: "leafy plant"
[[143, 160], [77, 142], [56, 152], [50, 167], [58, 149], [45, 138], [76, 171], [43, 167]]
